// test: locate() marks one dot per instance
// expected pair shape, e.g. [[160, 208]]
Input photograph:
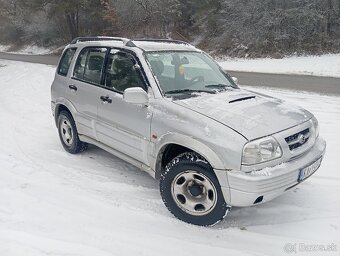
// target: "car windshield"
[[188, 72]]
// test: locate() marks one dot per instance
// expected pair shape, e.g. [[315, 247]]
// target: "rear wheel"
[[191, 191], [68, 134]]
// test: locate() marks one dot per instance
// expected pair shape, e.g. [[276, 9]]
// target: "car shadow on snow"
[[289, 207], [298, 204], [118, 169]]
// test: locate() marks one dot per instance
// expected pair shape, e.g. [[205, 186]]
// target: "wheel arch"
[[172, 145], [65, 105]]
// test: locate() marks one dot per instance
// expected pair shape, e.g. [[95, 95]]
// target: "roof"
[[147, 45]]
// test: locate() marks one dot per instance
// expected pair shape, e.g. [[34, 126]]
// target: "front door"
[[121, 125]]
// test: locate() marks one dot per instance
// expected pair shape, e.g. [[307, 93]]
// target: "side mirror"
[[136, 95], [235, 79]]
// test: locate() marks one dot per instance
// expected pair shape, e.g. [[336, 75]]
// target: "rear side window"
[[65, 62], [89, 65], [80, 65]]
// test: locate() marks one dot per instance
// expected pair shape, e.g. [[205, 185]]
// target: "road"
[[323, 85], [42, 59]]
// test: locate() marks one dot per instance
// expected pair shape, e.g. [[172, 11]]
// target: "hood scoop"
[[242, 99]]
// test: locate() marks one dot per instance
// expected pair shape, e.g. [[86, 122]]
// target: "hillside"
[[234, 28]]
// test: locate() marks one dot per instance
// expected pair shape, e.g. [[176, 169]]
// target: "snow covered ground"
[[54, 203], [324, 65], [3, 48], [28, 50]]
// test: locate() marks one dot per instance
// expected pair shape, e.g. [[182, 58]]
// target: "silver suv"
[[169, 109]]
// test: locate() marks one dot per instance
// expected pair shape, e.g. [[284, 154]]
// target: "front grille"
[[298, 139]]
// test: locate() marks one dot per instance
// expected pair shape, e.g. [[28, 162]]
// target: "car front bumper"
[[246, 189]]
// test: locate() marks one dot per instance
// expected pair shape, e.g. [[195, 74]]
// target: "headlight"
[[316, 126], [261, 150]]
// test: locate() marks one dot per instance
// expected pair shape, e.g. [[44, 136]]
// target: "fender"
[[188, 142]]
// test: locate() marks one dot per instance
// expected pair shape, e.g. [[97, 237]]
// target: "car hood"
[[251, 114]]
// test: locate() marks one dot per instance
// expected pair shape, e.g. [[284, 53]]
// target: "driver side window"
[[122, 72]]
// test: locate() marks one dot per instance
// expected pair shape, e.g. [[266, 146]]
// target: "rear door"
[[83, 88], [62, 76], [121, 125]]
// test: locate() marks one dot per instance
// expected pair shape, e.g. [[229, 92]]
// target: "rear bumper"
[[245, 188]]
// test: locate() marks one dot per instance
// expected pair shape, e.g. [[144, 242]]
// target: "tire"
[[191, 191], [68, 134]]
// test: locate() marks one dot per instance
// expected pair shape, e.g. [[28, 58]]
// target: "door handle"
[[105, 99], [73, 87]]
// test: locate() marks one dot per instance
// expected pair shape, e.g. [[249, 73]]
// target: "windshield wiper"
[[188, 91], [218, 86]]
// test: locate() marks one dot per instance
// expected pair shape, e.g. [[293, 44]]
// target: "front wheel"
[[191, 191]]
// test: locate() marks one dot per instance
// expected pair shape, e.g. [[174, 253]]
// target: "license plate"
[[309, 170]]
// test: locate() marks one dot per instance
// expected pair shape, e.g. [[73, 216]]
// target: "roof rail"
[[126, 41], [161, 40], [99, 38]]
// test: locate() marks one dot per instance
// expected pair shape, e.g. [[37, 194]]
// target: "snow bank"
[[29, 50], [54, 203], [325, 65], [3, 48]]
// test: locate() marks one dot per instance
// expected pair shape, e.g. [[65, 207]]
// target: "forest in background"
[[239, 28]]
